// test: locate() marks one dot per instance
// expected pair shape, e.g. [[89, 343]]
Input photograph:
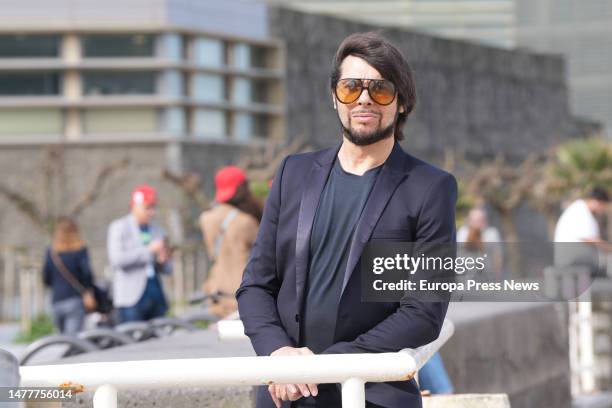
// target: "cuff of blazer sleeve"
[[344, 347], [271, 346]]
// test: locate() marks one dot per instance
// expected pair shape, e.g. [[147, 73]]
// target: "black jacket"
[[411, 201]]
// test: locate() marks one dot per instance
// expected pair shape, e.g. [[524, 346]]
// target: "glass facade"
[[118, 45], [208, 88], [191, 79], [119, 83], [173, 121], [119, 120], [246, 91], [171, 84], [29, 46], [33, 121], [29, 83], [248, 126], [209, 124], [170, 46], [208, 52], [247, 56]]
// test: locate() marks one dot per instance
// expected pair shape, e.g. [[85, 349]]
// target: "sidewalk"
[[8, 332]]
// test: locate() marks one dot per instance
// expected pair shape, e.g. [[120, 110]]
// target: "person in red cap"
[[229, 229], [137, 252]]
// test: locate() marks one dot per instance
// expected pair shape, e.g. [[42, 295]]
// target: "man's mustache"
[[360, 111]]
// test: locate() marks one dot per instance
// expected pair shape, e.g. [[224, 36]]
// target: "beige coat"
[[226, 272]]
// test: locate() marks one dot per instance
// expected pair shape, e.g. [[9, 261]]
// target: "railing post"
[[105, 397], [9, 375], [9, 369], [353, 393]]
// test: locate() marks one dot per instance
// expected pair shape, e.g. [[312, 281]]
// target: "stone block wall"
[[472, 98]]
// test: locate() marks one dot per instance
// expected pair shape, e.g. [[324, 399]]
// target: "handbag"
[[88, 295]]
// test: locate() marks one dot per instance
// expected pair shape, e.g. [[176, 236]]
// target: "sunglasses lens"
[[348, 90], [382, 92]]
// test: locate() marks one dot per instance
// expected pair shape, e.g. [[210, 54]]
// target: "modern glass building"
[[143, 69]]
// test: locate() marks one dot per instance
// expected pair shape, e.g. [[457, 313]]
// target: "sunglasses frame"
[[361, 81]]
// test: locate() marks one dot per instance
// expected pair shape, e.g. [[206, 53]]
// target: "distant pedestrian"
[[138, 253], [68, 273], [579, 224], [478, 237], [229, 230]]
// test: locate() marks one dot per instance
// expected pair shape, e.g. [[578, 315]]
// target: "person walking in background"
[[229, 230], [68, 273], [137, 252]]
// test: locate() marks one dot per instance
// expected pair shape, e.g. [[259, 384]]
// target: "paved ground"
[[8, 332]]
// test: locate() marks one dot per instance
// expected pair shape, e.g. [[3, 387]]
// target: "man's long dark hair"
[[246, 202], [386, 58]]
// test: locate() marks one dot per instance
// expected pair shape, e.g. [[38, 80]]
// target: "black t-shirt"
[[339, 209]]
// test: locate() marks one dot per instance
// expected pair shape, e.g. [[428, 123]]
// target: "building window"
[[250, 56], [170, 46], [26, 46], [248, 126], [171, 84], [259, 57], [173, 121], [29, 83], [209, 124], [45, 121], [118, 45], [116, 120], [246, 91], [242, 91], [242, 56], [119, 83], [208, 88], [208, 52]]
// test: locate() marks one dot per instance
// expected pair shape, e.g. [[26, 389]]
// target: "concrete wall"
[[516, 348], [471, 98]]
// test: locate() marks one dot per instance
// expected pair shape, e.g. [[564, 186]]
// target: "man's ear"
[[334, 101], [401, 109]]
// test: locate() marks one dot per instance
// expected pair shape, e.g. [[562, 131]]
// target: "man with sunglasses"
[[300, 292]]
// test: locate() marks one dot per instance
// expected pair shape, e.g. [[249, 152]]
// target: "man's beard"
[[365, 139]]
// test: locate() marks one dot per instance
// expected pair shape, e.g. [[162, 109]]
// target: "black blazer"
[[410, 201]]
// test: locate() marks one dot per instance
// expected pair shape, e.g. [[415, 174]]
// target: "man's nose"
[[364, 98]]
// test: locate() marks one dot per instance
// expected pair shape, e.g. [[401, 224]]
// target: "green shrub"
[[42, 326]]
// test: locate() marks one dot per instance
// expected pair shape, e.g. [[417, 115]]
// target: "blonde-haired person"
[[68, 273]]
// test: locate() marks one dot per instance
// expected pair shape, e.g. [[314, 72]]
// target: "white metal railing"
[[352, 371]]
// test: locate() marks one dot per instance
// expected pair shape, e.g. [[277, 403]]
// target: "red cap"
[[144, 194], [227, 180]]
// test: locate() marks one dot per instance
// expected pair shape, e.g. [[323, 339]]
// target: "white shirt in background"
[[577, 224]]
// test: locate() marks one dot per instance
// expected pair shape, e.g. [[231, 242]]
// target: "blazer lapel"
[[315, 182], [390, 176]]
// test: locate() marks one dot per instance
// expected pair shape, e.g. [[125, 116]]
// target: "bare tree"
[[505, 187], [45, 211]]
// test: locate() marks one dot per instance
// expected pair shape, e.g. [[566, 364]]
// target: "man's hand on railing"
[[291, 392]]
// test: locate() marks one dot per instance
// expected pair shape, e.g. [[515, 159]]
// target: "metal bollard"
[[9, 374]]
